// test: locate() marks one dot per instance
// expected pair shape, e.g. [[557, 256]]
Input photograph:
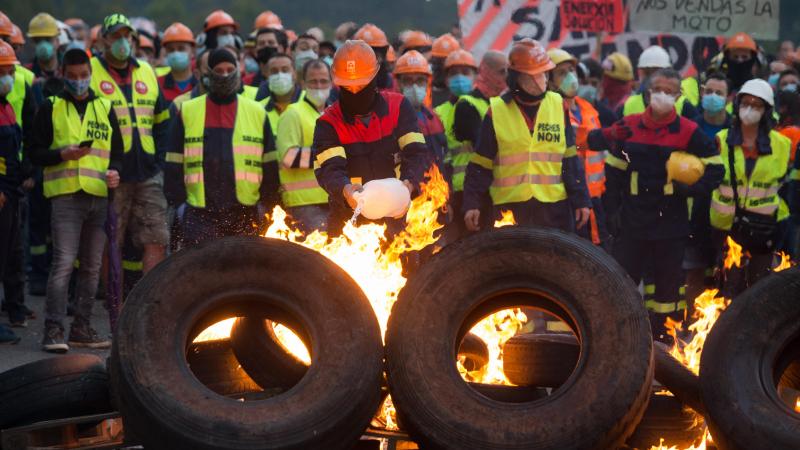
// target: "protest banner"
[[593, 15]]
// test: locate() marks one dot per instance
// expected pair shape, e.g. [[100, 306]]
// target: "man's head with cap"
[[223, 75], [119, 38]]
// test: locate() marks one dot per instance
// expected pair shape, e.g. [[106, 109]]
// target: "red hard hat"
[[219, 18]]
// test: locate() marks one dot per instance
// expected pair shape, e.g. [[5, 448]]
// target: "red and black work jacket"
[[170, 89], [357, 149], [432, 128], [10, 143]]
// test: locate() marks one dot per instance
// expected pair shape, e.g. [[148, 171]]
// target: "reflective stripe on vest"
[[594, 162], [273, 114], [299, 187], [459, 152], [528, 165], [248, 138], [88, 173], [144, 95], [759, 192], [635, 105]]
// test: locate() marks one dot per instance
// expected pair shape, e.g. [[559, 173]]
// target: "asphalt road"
[[29, 348]]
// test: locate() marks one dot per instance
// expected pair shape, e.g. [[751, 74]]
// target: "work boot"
[[7, 336], [18, 321], [85, 336], [53, 341]]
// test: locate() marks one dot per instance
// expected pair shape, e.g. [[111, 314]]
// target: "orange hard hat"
[[372, 35], [741, 40], [354, 64], [6, 27], [17, 38], [177, 32], [412, 61], [7, 55], [219, 18], [74, 22], [268, 19], [416, 39], [443, 45], [391, 55], [146, 42], [460, 57], [528, 56]]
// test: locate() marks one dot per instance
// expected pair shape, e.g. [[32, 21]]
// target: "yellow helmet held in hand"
[[685, 168]]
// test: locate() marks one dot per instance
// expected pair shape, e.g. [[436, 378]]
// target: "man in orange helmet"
[[220, 30], [442, 46], [267, 19], [363, 136], [526, 157], [178, 43], [740, 59], [417, 40], [376, 38]]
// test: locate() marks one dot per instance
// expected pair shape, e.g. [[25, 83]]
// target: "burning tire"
[[666, 417], [595, 408], [262, 356], [684, 384], [54, 388], [165, 406], [474, 352], [215, 365], [542, 360], [742, 361]]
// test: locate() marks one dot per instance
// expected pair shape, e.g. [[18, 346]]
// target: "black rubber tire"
[[791, 376], [595, 408], [677, 378], [261, 355], [54, 388], [475, 352], [164, 406], [215, 365], [737, 368], [541, 360], [666, 417]]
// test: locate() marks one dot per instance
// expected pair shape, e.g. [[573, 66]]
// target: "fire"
[[286, 337], [786, 262], [220, 330], [495, 330], [506, 220], [700, 446], [707, 309], [797, 405], [734, 256]]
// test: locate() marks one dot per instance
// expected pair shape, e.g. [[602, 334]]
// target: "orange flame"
[[494, 330], [786, 262], [506, 220], [707, 309], [797, 405], [734, 256]]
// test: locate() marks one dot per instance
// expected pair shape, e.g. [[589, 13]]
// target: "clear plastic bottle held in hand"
[[388, 197]]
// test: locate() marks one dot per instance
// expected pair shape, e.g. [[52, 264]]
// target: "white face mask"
[[750, 116], [661, 102], [318, 96], [280, 83]]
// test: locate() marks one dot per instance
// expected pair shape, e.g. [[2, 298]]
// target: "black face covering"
[[739, 72], [264, 54], [512, 79], [439, 80], [360, 102]]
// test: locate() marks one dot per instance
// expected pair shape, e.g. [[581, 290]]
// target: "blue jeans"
[[78, 232]]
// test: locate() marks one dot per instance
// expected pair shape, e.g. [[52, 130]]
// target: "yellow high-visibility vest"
[[88, 173], [299, 187], [459, 153], [248, 150]]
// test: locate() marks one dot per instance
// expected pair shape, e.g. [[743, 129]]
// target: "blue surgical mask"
[[460, 84], [588, 93], [178, 61], [569, 85], [302, 57], [415, 94], [44, 50], [280, 83], [77, 87], [328, 60], [250, 65], [6, 84], [226, 41], [791, 87], [713, 103], [773, 79], [121, 49]]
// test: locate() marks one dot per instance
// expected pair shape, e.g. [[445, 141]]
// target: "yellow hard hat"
[[685, 168], [559, 56], [618, 67], [43, 25]]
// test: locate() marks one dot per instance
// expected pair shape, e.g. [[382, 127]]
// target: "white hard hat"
[[654, 57], [758, 88]]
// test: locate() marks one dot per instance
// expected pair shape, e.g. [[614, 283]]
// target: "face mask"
[[773, 79], [588, 93], [328, 60], [337, 43], [713, 103], [661, 102], [77, 87], [512, 79], [250, 65], [280, 83], [569, 85], [750, 116], [179, 61], [44, 50], [301, 58], [460, 84], [223, 85], [791, 87], [318, 96], [415, 94], [360, 102], [6, 84], [121, 49], [226, 41]]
